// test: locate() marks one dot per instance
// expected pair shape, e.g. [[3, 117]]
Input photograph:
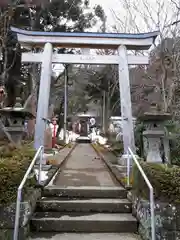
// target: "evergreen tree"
[[38, 15]]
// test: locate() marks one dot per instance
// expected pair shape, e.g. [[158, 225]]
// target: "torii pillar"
[[43, 100], [126, 106]]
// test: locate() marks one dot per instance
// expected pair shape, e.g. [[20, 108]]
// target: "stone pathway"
[[85, 168]]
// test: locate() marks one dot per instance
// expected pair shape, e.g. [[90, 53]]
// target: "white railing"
[[39, 153], [130, 155]]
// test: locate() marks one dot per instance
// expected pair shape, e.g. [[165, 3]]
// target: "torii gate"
[[119, 41]]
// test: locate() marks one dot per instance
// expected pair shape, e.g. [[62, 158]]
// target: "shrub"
[[173, 127], [164, 179], [175, 150], [13, 165]]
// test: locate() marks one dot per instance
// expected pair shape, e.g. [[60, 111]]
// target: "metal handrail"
[[40, 153], [151, 190]]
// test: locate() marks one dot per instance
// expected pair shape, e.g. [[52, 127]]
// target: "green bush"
[[164, 179], [13, 165], [175, 150], [173, 127]]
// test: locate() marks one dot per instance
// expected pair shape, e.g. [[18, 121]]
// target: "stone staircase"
[[84, 210], [83, 139]]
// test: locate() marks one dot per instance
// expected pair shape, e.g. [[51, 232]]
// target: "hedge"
[[13, 165], [164, 179]]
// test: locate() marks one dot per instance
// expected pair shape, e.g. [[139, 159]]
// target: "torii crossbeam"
[[120, 42]]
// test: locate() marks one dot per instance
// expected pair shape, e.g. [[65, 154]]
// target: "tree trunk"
[[107, 105], [32, 122], [60, 117], [31, 102]]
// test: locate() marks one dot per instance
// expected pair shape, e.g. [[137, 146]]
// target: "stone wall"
[[7, 216], [167, 219]]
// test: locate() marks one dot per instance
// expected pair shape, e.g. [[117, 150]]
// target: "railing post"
[[40, 164], [153, 232], [17, 215], [128, 168]]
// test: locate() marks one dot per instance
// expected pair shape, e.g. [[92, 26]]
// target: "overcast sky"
[[155, 11], [107, 5], [158, 11]]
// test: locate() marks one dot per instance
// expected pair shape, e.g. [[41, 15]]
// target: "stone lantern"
[[16, 117], [155, 131]]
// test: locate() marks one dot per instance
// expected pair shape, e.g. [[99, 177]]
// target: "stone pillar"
[[44, 92], [154, 140], [145, 146], [125, 99], [166, 149], [48, 139]]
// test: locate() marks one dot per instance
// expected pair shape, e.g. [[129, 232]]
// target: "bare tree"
[[143, 16]]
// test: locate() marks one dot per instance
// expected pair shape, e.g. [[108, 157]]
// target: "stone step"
[[44, 167], [85, 205], [81, 222], [84, 236], [83, 140], [85, 192]]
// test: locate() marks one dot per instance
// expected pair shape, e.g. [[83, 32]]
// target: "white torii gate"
[[118, 41]]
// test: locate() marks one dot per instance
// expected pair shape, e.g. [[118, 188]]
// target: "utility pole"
[[104, 92], [104, 111], [65, 99]]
